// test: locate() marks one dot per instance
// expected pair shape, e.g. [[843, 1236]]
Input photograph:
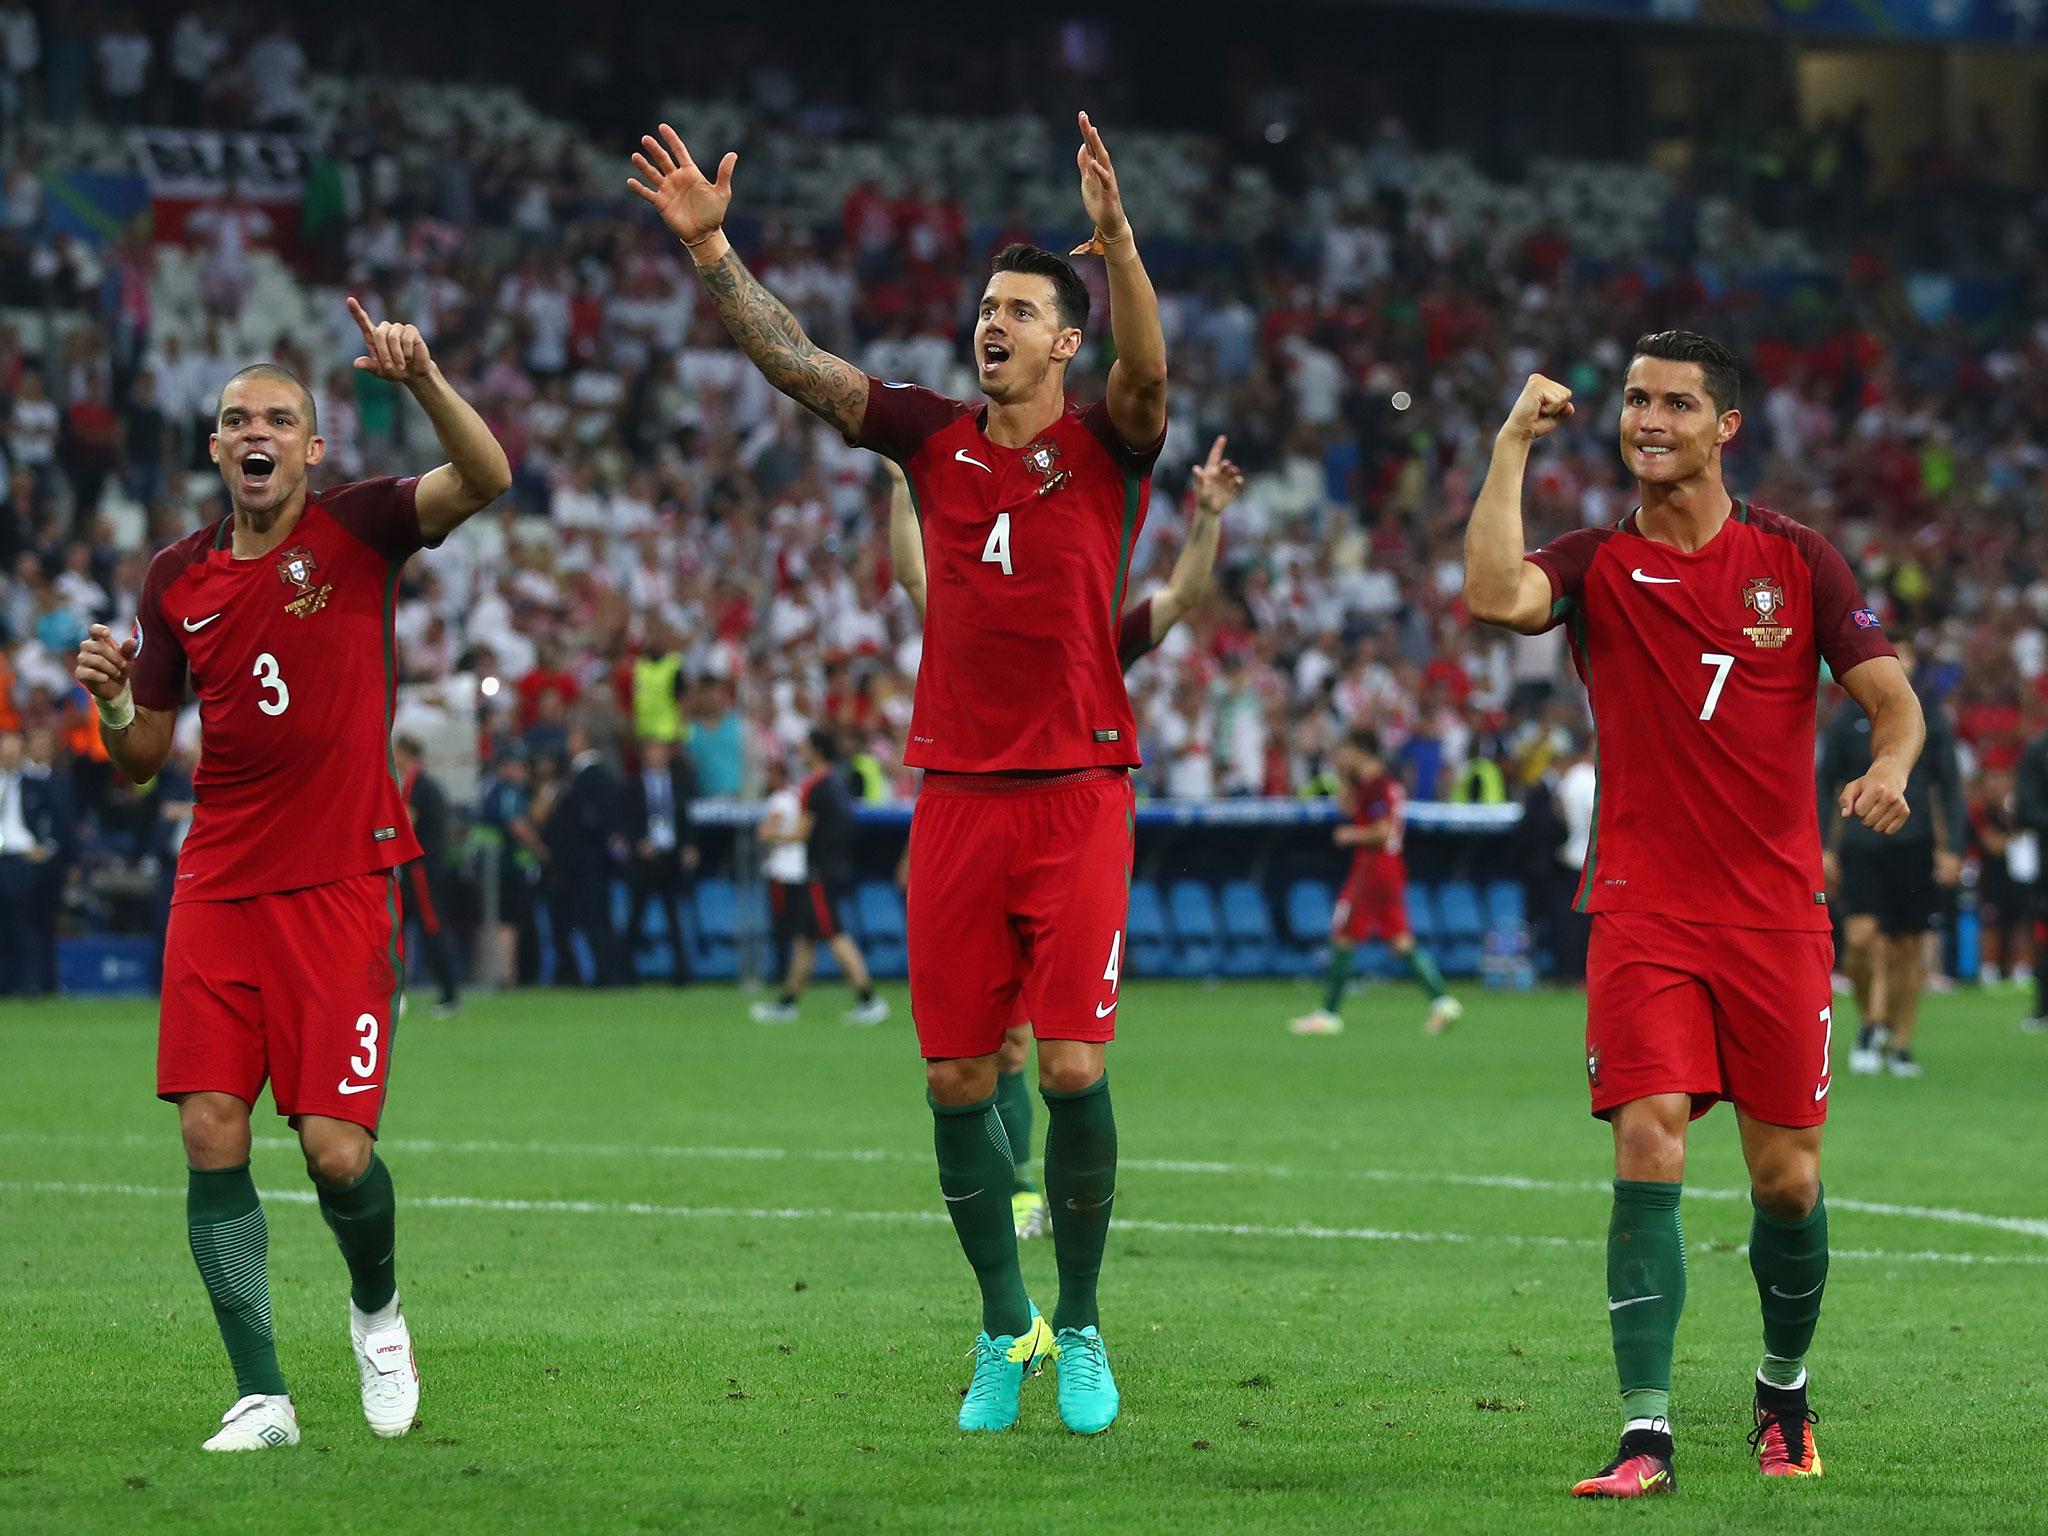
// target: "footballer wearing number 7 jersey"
[[282, 956], [1020, 848], [1699, 623]]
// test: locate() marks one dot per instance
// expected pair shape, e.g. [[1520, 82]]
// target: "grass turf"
[[671, 1271]]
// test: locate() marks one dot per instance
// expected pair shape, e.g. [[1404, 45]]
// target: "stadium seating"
[[1248, 931], [1149, 949], [1309, 908], [1197, 928], [717, 954], [878, 915], [1460, 928]]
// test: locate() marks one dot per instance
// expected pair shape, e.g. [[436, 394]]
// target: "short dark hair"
[[1367, 740], [273, 371], [1070, 294], [1716, 363], [825, 743]]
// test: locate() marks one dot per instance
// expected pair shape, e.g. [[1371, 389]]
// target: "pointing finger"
[[360, 315], [1216, 454]]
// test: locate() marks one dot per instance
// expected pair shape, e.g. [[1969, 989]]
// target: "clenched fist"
[[1544, 406]]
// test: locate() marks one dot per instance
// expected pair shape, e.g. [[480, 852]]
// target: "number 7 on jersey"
[[1722, 663]]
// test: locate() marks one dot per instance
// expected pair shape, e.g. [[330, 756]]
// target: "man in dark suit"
[[49, 804], [664, 846], [587, 848], [424, 881], [21, 861]]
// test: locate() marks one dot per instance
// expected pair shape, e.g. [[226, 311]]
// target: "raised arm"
[[694, 207], [477, 472], [1217, 482], [1137, 380], [1501, 587], [906, 539], [138, 739]]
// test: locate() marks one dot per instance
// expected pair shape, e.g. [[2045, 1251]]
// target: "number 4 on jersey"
[[997, 550]]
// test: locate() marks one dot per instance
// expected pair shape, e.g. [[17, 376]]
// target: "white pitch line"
[[1308, 1231], [2025, 1226]]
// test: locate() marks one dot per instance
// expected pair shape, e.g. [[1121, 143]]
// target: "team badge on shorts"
[[1042, 459], [296, 568], [1765, 598], [1593, 1067]]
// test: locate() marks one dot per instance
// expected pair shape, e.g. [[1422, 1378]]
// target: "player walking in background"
[[1888, 888], [1020, 848], [1699, 623], [1374, 902], [1216, 482], [423, 884], [283, 956], [815, 912]]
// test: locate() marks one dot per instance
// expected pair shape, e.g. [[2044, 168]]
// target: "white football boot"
[[256, 1423], [391, 1381]]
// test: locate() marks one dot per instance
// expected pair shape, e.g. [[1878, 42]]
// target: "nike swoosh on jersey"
[[898, 386], [1104, 1010], [193, 629], [1653, 581], [345, 1086], [1616, 1306], [965, 457]]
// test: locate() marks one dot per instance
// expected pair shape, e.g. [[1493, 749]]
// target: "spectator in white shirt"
[[124, 52]]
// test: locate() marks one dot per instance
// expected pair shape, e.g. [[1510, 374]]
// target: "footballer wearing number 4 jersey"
[[1699, 624], [1020, 849], [282, 957]]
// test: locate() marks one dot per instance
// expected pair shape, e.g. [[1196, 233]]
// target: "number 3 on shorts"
[[365, 1064]]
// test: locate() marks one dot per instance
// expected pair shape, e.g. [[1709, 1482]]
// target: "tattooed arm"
[[694, 206]]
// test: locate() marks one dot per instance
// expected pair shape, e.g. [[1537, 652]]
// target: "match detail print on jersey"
[[1711, 658]]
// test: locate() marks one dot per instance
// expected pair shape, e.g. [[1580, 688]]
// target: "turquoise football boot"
[[1088, 1399], [1000, 1366]]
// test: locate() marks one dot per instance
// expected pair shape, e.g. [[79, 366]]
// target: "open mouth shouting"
[[993, 355], [258, 471]]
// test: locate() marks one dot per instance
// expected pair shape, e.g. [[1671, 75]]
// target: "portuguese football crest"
[[1042, 459], [1765, 598], [296, 568]]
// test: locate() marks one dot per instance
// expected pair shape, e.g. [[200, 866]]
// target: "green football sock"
[[363, 1218], [1790, 1262], [231, 1243], [1422, 966], [1337, 977], [975, 1172], [1645, 1293], [1013, 1103], [1080, 1187]]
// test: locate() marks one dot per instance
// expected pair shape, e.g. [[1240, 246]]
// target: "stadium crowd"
[[686, 558]]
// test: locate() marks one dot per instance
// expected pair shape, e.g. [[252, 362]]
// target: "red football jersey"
[[1702, 669], [1027, 552], [1134, 635], [296, 668], [1372, 801]]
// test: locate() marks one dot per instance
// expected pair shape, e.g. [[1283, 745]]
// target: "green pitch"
[[671, 1271]]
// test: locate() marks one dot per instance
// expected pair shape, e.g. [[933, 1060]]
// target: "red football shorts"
[[1742, 1014], [1018, 891], [1370, 907], [300, 987]]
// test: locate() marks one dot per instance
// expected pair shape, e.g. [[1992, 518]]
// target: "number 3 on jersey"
[[267, 675], [997, 550]]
